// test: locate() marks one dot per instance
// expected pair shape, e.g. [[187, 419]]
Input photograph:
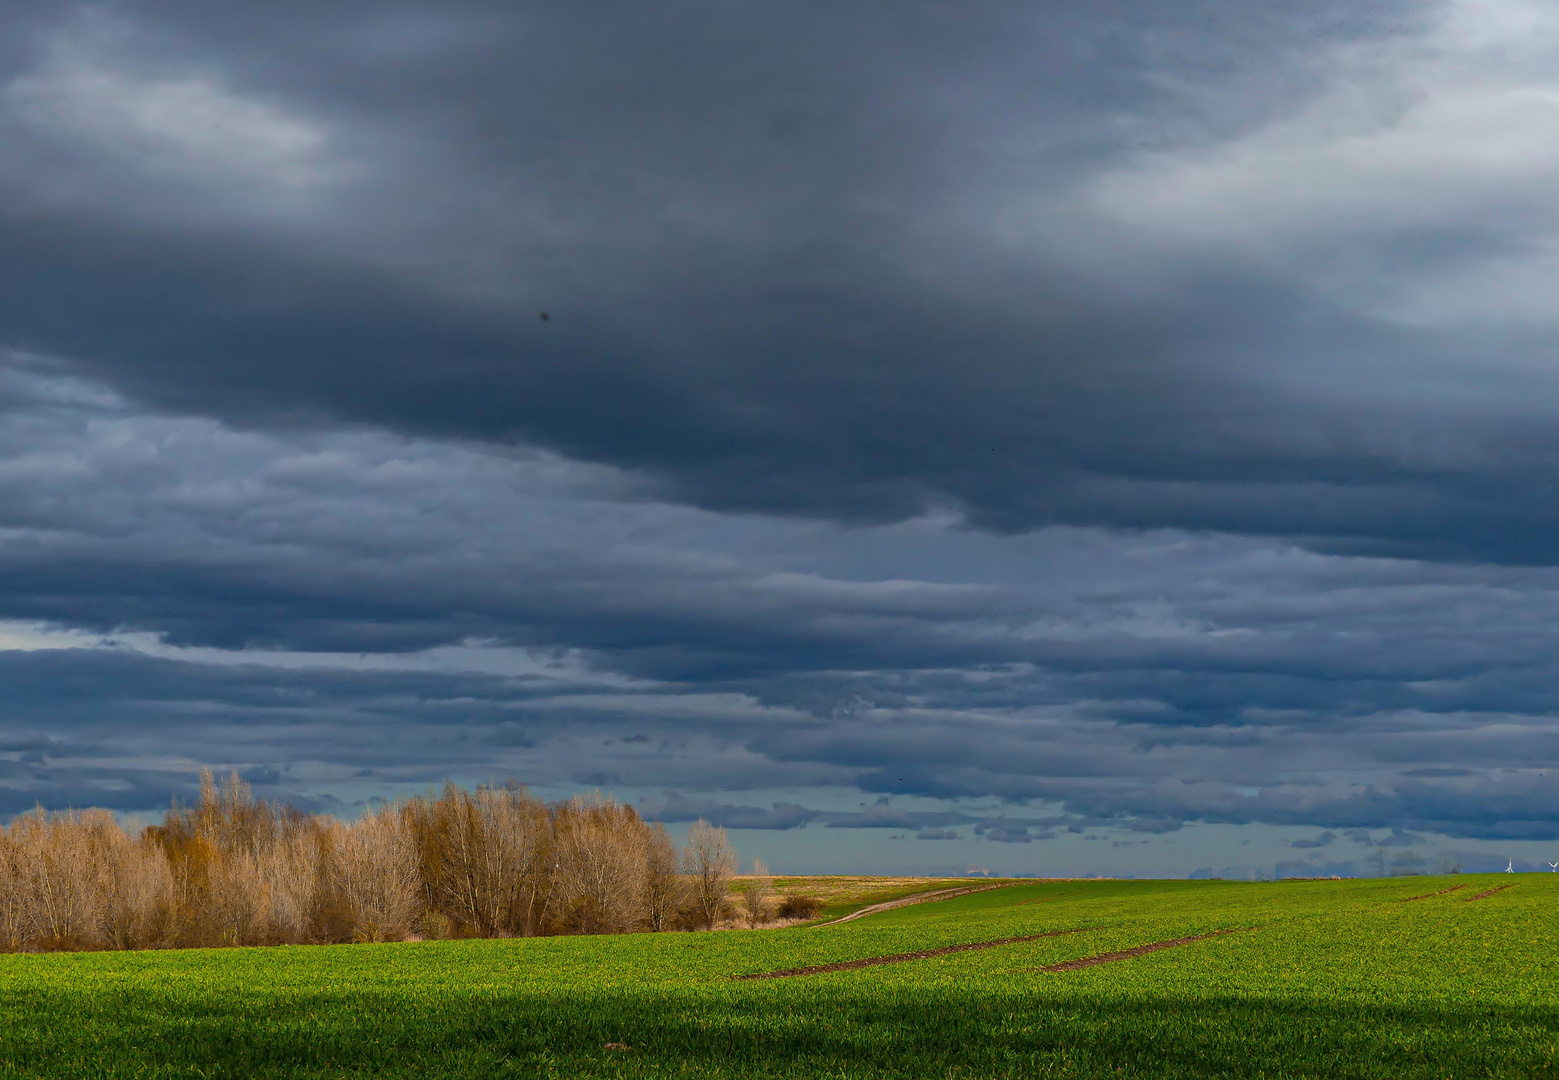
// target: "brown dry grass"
[[843, 894]]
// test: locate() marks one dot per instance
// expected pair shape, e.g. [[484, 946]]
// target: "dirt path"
[[899, 958], [1140, 950], [1427, 895], [918, 898], [1491, 892]]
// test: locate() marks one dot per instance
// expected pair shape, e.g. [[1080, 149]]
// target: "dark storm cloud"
[[920, 395], [677, 808], [1316, 842], [1009, 836], [936, 834], [882, 815], [1289, 868], [111, 707], [784, 256], [1211, 680], [1142, 731]]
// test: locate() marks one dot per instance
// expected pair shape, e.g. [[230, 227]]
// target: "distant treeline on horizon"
[[230, 870]]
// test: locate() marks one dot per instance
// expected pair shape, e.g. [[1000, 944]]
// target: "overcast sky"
[[1046, 438]]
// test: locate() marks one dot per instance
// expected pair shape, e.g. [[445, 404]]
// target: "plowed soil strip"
[[1140, 950], [899, 958], [1491, 892], [1427, 895], [918, 898]]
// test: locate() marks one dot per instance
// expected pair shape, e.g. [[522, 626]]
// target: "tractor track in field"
[[1140, 950], [1491, 892], [906, 901], [1065, 965], [899, 958], [1427, 895]]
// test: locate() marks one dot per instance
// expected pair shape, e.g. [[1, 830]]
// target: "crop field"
[[843, 895], [1374, 978]]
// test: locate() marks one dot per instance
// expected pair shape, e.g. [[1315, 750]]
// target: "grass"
[[1337, 979], [842, 895]]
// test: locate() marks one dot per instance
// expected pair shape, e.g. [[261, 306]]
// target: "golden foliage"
[[231, 870]]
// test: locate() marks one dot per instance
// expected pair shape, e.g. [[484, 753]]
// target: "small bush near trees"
[[756, 899], [800, 907]]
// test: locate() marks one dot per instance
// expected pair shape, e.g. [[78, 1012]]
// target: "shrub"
[[800, 907], [756, 898]]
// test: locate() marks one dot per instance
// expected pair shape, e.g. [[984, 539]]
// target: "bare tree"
[[483, 858], [242, 871], [231, 870], [756, 898], [138, 894], [600, 866], [663, 886], [292, 872], [374, 865], [12, 908], [710, 862], [237, 900], [62, 861], [1408, 864]]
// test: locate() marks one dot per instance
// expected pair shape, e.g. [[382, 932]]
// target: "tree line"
[[231, 870]]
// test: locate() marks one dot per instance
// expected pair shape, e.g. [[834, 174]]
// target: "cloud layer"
[[1053, 423]]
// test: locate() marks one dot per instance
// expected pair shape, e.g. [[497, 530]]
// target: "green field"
[[1325, 979]]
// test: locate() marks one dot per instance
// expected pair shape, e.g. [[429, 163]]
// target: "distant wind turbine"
[[1510, 867], [1554, 866]]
